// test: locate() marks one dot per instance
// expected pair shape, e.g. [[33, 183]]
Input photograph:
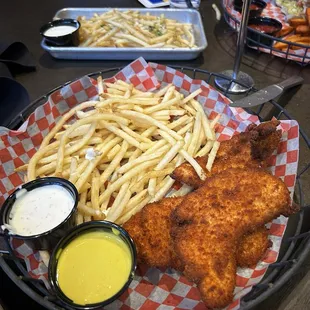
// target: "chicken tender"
[[250, 149], [209, 260], [150, 229], [252, 247], [209, 223], [136, 231]]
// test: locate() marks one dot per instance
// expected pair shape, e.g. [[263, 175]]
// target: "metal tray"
[[130, 53]]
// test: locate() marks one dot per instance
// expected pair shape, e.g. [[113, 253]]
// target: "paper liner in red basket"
[[151, 288], [272, 11]]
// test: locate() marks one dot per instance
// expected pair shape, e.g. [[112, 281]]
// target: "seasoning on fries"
[[120, 150], [133, 29]]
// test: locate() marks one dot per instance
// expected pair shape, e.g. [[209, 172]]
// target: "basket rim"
[[51, 303]]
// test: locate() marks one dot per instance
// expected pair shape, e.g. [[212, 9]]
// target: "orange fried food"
[[208, 224], [252, 247], [150, 229], [209, 260], [248, 149], [285, 31]]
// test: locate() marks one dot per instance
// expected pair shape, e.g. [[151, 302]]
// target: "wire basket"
[[294, 51], [296, 242]]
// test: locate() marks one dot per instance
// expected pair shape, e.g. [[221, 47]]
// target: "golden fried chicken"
[[252, 247], [209, 223], [150, 229], [248, 149]]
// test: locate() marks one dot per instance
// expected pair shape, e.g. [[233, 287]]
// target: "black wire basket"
[[297, 52], [296, 241]]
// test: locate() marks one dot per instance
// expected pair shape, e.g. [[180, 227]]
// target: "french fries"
[[120, 150], [285, 31], [298, 21], [303, 30], [298, 32], [296, 38], [308, 16], [133, 29]]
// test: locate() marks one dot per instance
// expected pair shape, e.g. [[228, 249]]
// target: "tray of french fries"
[[118, 140], [293, 40], [107, 33]]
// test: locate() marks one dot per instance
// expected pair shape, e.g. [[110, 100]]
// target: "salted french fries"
[[296, 38], [133, 29], [120, 150], [298, 32]]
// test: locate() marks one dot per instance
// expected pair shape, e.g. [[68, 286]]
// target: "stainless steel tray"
[[130, 53]]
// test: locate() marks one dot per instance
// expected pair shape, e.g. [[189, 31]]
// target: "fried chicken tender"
[[150, 230], [252, 247], [248, 149], [209, 260], [208, 224]]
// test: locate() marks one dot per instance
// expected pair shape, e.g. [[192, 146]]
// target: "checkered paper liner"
[[272, 11], [151, 288]]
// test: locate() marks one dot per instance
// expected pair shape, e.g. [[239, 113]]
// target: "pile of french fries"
[[120, 150], [298, 31], [133, 29]]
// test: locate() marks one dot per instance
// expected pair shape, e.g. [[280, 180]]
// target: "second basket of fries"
[[130, 33]]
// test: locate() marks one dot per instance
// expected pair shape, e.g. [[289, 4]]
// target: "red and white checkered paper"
[[272, 11], [151, 288]]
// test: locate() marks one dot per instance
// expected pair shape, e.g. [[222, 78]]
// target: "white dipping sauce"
[[59, 31], [40, 210]]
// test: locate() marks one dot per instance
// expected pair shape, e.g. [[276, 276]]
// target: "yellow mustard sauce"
[[93, 267]]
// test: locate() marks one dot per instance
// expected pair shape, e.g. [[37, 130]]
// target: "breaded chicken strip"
[[150, 229], [208, 224], [252, 247], [248, 149], [209, 258]]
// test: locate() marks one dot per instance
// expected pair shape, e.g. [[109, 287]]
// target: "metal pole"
[[241, 36], [243, 78]]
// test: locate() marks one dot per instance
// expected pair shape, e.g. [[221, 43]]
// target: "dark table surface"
[[20, 21]]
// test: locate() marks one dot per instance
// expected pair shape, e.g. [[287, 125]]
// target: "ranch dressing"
[[40, 210], [59, 31]]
